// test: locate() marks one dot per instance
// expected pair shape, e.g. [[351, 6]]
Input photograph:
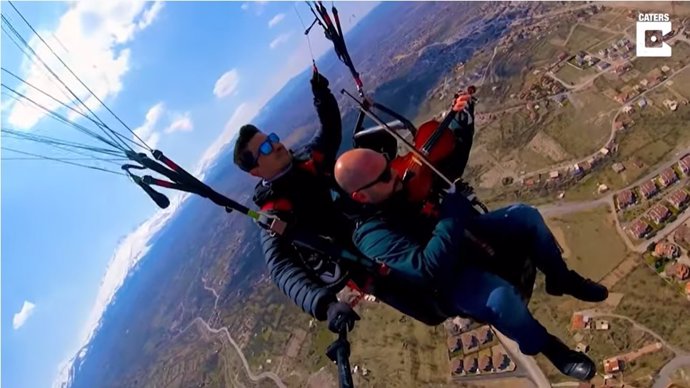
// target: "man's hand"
[[319, 83], [460, 102], [341, 315]]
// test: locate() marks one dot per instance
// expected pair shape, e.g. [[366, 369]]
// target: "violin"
[[435, 141]]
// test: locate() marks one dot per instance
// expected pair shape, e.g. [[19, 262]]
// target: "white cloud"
[[275, 20], [19, 319], [258, 6], [146, 131], [149, 132], [280, 39], [226, 84], [92, 35], [243, 114], [150, 14], [180, 123]]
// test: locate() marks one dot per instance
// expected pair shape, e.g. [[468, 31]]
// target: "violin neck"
[[429, 144]]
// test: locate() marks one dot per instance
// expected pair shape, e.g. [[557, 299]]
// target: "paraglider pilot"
[[296, 186]]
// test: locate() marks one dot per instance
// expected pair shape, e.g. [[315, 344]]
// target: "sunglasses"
[[265, 148], [385, 177]]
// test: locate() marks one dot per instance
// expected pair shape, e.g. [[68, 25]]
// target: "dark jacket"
[[302, 197]]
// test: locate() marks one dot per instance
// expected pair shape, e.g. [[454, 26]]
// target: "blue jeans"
[[517, 230]]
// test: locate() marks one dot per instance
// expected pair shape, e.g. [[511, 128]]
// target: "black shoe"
[[569, 362], [577, 286]]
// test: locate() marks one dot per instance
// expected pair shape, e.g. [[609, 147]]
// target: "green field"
[[653, 137], [648, 297], [584, 37], [582, 130], [572, 75], [620, 22], [590, 240], [531, 160], [609, 81], [681, 52], [681, 82]]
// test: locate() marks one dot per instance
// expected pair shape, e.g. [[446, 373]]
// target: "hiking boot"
[[569, 362], [577, 286]]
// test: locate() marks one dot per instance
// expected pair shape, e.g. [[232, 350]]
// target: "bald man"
[[439, 257]]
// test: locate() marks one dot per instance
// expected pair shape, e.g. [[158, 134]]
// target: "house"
[[457, 366], [612, 365], [485, 335], [576, 170], [684, 164], [678, 270], [627, 109], [678, 198], [500, 360], [470, 364], [579, 322], [618, 126], [625, 198], [666, 250], [687, 288], [553, 174], [454, 344], [672, 105], [659, 213], [667, 177], [601, 324], [648, 189], [603, 65], [622, 97], [639, 228], [604, 151], [618, 168], [665, 68], [469, 341], [642, 102], [462, 323], [485, 364]]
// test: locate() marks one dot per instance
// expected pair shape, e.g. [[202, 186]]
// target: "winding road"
[[224, 330], [204, 325], [681, 359]]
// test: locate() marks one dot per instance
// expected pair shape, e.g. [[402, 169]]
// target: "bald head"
[[358, 167], [361, 172]]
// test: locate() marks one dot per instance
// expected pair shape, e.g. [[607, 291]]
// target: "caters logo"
[[650, 31]]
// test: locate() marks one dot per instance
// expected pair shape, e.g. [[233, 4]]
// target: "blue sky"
[[184, 76]]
